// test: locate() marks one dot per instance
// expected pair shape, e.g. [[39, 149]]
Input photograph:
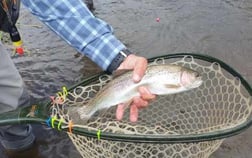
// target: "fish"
[[160, 79]]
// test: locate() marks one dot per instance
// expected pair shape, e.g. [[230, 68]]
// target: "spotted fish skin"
[[162, 79]]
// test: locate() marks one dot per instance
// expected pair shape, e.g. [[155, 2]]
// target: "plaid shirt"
[[73, 22]]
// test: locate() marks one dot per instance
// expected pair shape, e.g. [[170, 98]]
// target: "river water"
[[219, 28]]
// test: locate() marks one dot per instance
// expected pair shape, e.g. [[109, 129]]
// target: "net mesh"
[[220, 103]]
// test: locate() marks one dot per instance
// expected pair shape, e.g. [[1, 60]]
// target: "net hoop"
[[191, 124], [160, 139], [173, 138]]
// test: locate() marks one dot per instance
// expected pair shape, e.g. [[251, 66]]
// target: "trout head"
[[190, 79]]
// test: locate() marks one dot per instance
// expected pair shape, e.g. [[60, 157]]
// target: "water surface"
[[219, 28]]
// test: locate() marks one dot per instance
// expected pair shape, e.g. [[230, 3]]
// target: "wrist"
[[120, 57]]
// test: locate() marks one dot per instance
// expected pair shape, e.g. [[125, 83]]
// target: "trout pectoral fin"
[[121, 108], [172, 86]]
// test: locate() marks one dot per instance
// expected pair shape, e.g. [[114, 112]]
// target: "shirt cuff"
[[103, 50]]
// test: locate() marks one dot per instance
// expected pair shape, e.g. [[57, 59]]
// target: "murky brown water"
[[220, 28]]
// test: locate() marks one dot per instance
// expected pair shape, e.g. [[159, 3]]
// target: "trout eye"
[[197, 74]]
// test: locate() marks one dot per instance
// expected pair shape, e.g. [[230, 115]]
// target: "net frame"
[[207, 142]]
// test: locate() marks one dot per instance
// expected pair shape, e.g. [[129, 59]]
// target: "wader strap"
[[11, 19]]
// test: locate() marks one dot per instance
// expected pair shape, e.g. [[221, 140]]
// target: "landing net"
[[185, 125]]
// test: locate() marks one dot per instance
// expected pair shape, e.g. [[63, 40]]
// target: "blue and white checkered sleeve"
[[72, 21]]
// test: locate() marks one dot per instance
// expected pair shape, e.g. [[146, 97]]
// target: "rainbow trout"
[[161, 79]]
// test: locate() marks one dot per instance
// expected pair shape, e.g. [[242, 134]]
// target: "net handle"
[[30, 114]]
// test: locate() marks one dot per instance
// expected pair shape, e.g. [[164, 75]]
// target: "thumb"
[[139, 69]]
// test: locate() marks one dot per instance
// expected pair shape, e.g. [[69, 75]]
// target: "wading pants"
[[13, 95]]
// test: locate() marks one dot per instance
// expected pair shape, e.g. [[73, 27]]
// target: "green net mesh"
[[220, 103]]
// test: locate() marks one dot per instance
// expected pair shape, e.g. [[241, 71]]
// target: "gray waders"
[[13, 95]]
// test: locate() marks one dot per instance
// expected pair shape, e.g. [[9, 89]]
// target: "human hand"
[[138, 65]]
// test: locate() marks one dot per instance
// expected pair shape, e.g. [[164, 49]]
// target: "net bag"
[[185, 125]]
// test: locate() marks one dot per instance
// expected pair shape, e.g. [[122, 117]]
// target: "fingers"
[[140, 102], [136, 103], [137, 64], [119, 111], [133, 113], [146, 94], [139, 69]]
